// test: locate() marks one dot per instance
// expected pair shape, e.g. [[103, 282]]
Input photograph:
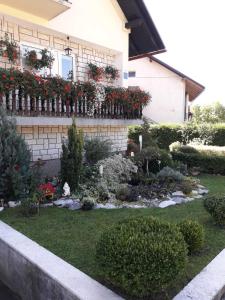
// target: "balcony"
[[45, 9], [27, 95]]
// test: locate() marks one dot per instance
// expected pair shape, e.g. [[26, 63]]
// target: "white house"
[[102, 32], [171, 90]]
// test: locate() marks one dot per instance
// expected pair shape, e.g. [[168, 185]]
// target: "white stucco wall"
[[99, 23], [166, 88]]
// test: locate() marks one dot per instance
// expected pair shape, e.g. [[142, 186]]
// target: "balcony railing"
[[18, 104], [27, 94]]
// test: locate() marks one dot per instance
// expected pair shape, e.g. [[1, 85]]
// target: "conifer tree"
[[15, 173], [71, 158]]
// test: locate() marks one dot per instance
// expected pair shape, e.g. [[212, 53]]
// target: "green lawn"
[[73, 235]]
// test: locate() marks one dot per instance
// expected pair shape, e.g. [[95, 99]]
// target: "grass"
[[73, 235]]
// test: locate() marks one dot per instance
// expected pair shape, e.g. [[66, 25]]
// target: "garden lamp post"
[[140, 141]]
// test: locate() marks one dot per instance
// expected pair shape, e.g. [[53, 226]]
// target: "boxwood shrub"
[[141, 256], [214, 164], [216, 207], [193, 233]]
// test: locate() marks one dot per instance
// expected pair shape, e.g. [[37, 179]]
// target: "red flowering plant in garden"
[[47, 190], [111, 73]]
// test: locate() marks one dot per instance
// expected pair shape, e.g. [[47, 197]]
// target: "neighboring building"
[[104, 32], [171, 90]]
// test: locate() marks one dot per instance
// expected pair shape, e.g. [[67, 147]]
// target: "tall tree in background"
[[71, 159], [213, 113]]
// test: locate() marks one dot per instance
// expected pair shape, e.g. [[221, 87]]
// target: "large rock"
[[1, 209], [106, 206], [76, 205], [203, 191], [13, 204], [63, 202], [179, 200], [178, 194], [167, 203]]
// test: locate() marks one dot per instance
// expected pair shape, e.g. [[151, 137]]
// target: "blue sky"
[[194, 34]]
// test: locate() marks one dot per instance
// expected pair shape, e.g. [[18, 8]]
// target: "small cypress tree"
[[15, 173], [71, 158]]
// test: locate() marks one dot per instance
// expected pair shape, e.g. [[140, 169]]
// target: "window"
[[132, 74], [63, 65], [24, 49], [66, 67]]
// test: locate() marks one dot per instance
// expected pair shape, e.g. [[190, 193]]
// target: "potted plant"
[[95, 72], [9, 49], [45, 61], [111, 73]]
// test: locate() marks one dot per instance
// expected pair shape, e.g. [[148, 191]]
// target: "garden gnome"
[[66, 190]]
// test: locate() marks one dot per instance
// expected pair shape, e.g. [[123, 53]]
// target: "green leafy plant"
[[193, 233], [88, 203], [141, 256], [29, 206], [168, 173], [216, 208], [15, 171], [96, 149], [186, 186], [71, 158]]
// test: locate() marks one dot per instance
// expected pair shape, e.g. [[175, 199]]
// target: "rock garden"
[[140, 222]]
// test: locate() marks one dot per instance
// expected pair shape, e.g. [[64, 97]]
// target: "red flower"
[[17, 167], [3, 76], [47, 188]]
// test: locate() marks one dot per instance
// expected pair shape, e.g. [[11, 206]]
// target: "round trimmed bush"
[[141, 256], [216, 207], [193, 233]]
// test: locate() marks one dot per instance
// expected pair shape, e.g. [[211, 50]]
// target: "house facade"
[[171, 91], [101, 32]]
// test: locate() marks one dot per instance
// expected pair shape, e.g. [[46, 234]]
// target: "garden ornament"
[[66, 190]]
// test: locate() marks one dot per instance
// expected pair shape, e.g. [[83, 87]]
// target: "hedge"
[[166, 134], [208, 164]]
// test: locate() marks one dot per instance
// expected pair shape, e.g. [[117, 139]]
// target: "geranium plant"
[[111, 73], [96, 73], [45, 61], [9, 49]]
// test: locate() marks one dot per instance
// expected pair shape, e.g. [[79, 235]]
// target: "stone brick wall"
[[45, 142], [32, 34]]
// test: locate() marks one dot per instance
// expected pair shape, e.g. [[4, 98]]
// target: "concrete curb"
[[35, 273], [209, 284]]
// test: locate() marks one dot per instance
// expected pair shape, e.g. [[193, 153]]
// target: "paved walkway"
[[6, 294]]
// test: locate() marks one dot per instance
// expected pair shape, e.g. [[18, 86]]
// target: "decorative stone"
[[198, 196], [63, 202], [46, 205], [179, 200], [106, 206], [66, 190], [178, 194], [189, 199], [167, 203], [13, 204], [75, 206], [134, 205], [194, 192], [1, 209], [203, 191]]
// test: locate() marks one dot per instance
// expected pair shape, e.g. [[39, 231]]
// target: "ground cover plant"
[[74, 235]]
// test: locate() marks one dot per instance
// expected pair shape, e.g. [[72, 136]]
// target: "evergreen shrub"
[[141, 256]]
